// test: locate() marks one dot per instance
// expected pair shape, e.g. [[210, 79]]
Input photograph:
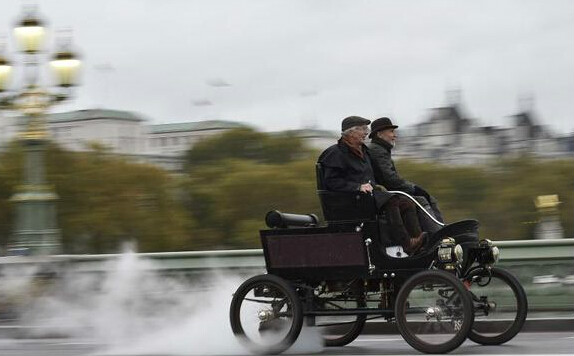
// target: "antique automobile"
[[337, 275]]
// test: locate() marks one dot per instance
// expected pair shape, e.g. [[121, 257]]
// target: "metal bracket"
[[368, 243]]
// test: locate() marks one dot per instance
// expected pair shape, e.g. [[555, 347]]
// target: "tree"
[[234, 179], [10, 176], [500, 195], [105, 200], [230, 199], [247, 144]]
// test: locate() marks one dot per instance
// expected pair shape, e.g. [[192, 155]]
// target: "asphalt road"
[[543, 343]]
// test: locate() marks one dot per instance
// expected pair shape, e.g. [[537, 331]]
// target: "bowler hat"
[[351, 121], [381, 124]]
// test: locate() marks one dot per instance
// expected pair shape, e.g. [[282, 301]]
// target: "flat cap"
[[351, 121]]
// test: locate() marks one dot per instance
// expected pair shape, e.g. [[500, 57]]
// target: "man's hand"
[[366, 188]]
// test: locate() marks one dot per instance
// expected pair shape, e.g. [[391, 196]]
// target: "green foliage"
[[10, 176], [230, 206], [104, 201], [501, 196], [247, 144], [235, 178]]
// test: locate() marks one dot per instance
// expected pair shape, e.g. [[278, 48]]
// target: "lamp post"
[[36, 230], [549, 226]]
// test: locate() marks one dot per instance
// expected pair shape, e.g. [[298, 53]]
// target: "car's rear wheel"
[[340, 330], [266, 314]]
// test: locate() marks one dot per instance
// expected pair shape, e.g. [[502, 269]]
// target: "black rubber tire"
[[351, 327], [514, 328], [350, 335], [465, 308], [291, 298]]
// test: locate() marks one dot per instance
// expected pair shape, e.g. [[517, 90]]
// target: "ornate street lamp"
[[36, 231]]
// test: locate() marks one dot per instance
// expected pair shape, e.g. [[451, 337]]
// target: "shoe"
[[415, 244]]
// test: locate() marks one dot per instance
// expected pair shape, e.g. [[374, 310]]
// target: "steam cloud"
[[131, 309]]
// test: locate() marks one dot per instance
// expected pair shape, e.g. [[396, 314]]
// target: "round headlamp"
[[495, 252], [458, 253], [449, 254], [446, 250], [488, 253]]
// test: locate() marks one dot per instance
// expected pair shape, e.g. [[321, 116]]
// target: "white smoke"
[[132, 309]]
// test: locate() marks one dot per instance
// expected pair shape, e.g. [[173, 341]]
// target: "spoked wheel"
[[266, 314], [434, 312], [340, 330], [500, 306]]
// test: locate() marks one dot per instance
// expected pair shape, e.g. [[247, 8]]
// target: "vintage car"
[[337, 275]]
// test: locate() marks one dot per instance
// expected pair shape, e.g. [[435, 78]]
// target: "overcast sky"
[[292, 63]]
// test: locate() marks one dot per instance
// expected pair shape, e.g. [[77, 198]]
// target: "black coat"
[[384, 168], [344, 171]]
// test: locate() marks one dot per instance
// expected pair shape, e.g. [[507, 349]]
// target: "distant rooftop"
[[524, 119], [94, 114], [195, 126], [448, 113]]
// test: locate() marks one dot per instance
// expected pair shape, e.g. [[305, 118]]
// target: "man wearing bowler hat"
[[383, 138], [347, 167]]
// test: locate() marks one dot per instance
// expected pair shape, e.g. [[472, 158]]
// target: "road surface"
[[539, 343]]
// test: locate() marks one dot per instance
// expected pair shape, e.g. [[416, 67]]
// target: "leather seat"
[[344, 206]]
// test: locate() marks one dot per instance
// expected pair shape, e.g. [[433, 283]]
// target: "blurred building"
[[175, 139], [448, 136], [123, 133]]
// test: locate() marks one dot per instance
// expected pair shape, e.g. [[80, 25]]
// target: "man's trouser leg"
[[399, 233], [409, 214]]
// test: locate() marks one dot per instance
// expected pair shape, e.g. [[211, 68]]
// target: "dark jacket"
[[384, 168], [346, 172]]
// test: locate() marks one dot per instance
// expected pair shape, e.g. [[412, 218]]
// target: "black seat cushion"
[[340, 206]]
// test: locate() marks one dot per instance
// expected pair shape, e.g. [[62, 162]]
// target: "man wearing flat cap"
[[347, 167], [383, 138]]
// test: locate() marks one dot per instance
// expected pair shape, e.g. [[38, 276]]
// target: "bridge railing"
[[544, 267]]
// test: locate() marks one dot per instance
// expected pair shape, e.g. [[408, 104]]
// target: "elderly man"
[[347, 168], [383, 138]]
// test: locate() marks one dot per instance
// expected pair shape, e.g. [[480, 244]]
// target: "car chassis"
[[338, 275]]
